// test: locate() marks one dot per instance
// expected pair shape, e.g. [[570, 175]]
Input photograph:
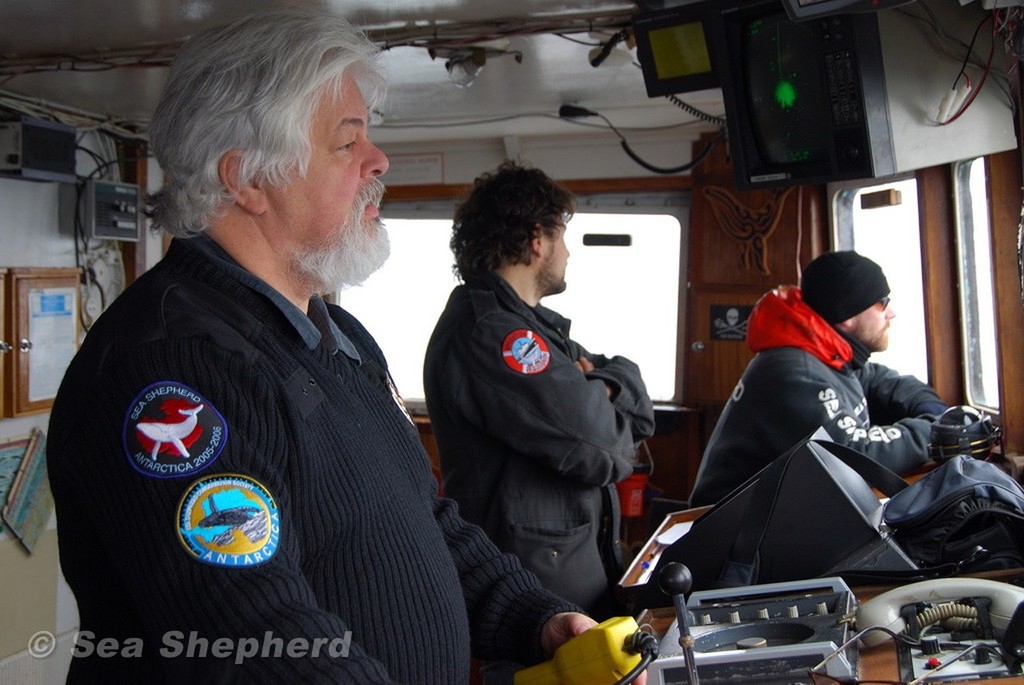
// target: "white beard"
[[358, 248]]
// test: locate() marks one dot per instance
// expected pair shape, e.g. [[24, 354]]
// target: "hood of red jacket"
[[781, 318]]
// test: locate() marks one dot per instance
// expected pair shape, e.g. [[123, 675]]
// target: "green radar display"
[[785, 94]]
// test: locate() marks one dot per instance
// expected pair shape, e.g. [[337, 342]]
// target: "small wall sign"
[[729, 321]]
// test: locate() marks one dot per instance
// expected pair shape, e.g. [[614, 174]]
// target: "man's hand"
[[561, 628], [586, 366]]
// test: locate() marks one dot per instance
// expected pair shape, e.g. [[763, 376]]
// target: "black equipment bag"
[[967, 512]]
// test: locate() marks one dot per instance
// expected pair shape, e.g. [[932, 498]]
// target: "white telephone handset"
[[884, 610]]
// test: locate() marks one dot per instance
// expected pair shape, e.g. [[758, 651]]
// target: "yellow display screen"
[[675, 48], [680, 50]]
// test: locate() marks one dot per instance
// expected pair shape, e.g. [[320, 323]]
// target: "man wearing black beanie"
[[811, 370], [840, 285]]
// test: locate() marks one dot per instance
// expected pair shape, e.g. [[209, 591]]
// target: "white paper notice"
[[677, 531], [52, 332]]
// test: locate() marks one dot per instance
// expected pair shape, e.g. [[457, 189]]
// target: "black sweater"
[[359, 541]]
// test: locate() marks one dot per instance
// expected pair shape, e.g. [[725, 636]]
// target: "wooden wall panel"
[[134, 169], [742, 244], [1004, 173], [714, 362], [942, 312]]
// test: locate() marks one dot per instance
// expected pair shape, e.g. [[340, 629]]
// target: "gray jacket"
[[530, 447]]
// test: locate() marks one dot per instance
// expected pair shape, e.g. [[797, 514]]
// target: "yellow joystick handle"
[[596, 657]]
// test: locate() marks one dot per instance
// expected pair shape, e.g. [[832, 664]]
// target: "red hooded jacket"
[[781, 318]]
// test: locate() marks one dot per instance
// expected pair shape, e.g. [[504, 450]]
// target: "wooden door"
[[717, 349], [742, 244]]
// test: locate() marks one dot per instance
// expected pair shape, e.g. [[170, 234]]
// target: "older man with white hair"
[[290, 531]]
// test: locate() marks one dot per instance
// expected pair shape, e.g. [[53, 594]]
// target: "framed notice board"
[[42, 327]]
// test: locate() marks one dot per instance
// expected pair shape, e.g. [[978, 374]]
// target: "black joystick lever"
[[675, 581]]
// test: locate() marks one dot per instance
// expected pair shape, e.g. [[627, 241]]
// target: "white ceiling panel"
[[61, 52]]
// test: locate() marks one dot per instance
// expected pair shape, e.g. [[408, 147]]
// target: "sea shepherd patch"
[[170, 430], [524, 351]]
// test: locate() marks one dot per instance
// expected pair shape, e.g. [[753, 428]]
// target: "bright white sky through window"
[[622, 300], [891, 237]]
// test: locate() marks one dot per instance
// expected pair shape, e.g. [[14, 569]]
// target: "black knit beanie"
[[838, 285]]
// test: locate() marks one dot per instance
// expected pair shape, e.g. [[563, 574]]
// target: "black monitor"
[[805, 101], [672, 46], [808, 9]]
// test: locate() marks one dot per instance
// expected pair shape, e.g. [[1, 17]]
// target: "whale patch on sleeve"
[[171, 430]]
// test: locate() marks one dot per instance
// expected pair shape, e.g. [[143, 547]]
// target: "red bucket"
[[631, 493]]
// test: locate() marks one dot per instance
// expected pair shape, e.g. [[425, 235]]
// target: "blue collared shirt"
[[312, 327]]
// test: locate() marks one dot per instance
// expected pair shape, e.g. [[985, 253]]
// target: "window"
[[977, 303], [881, 222], [400, 304], [623, 300]]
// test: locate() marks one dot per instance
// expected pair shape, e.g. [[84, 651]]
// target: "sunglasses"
[[884, 302], [819, 675]]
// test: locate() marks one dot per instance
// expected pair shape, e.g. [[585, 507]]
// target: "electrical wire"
[[80, 119], [512, 117], [95, 156], [984, 74], [1014, 31], [700, 114], [943, 39], [674, 170], [607, 47], [84, 254], [590, 44], [569, 112], [646, 645], [103, 167], [970, 47]]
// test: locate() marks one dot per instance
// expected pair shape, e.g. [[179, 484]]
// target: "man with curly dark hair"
[[533, 430]]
